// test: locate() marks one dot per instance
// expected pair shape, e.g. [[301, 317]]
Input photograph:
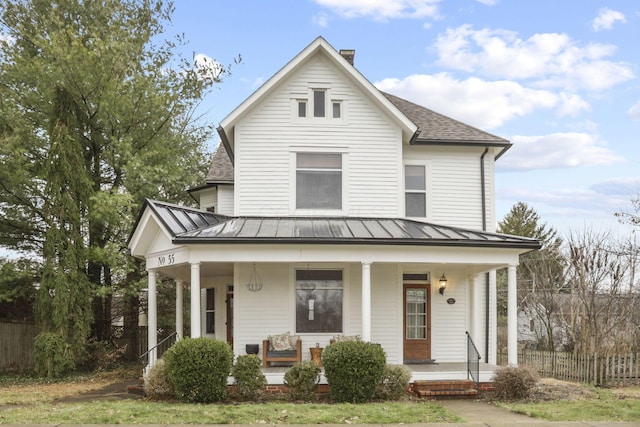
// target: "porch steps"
[[449, 389]]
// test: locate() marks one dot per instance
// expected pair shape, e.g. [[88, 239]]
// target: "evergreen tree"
[[97, 113]]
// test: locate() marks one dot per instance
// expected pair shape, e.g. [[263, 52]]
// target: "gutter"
[[487, 280]]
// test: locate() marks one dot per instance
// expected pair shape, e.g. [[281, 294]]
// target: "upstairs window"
[[318, 181], [302, 108], [319, 103], [337, 109], [415, 191]]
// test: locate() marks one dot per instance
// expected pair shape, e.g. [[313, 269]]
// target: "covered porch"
[[375, 257]]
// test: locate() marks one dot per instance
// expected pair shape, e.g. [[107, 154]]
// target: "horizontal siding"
[[264, 141], [448, 321], [386, 306], [225, 200], [209, 198], [454, 186]]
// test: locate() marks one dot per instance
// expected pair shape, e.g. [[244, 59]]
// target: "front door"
[[417, 322]]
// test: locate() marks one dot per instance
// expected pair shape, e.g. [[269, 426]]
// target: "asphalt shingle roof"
[[221, 169], [434, 127]]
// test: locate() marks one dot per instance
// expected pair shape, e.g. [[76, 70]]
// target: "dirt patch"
[[115, 391]]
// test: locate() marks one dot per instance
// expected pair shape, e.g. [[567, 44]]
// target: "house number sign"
[[167, 260], [451, 301]]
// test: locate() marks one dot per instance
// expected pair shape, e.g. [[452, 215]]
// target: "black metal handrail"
[[473, 361], [171, 337]]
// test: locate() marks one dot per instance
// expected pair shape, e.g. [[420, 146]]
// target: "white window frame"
[[347, 327], [293, 202], [426, 190]]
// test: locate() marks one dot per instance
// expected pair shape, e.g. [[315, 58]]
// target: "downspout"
[[486, 275]]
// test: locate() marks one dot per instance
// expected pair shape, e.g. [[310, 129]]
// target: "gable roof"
[[193, 226], [435, 128], [225, 129]]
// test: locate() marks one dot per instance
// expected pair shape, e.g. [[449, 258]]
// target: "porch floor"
[[432, 371]]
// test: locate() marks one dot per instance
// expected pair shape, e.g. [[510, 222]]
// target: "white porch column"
[[152, 318], [196, 331], [512, 317], [179, 311], [366, 301]]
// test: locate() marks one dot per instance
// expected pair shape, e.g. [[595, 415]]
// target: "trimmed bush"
[[248, 377], [353, 370], [395, 380], [199, 368], [53, 356], [157, 384], [514, 383], [303, 379]]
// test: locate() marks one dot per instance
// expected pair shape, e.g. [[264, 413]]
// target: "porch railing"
[[473, 361], [161, 347]]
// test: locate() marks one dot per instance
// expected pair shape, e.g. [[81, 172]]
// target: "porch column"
[[366, 301], [152, 318], [195, 300], [512, 317], [179, 313]]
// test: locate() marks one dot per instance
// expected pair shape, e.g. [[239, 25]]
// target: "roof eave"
[[356, 241]]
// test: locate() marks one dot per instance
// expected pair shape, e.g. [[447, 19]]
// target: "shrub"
[[395, 380], [198, 369], [353, 370], [302, 380], [52, 355], [157, 384], [514, 383], [248, 377]]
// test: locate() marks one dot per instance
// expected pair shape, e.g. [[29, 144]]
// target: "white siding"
[[386, 309], [209, 198], [454, 194], [267, 137], [225, 200], [449, 341]]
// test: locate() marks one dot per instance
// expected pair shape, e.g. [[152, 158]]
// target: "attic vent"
[[348, 54]]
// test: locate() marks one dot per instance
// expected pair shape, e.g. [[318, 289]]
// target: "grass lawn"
[[145, 412], [603, 405]]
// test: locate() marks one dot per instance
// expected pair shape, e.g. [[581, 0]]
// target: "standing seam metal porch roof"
[[193, 226]]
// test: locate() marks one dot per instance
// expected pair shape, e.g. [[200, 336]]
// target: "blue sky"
[[559, 79]]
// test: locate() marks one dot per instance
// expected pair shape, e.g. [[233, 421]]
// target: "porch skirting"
[[433, 372]]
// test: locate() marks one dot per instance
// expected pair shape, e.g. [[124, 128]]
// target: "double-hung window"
[[319, 301], [415, 191], [318, 181], [210, 311]]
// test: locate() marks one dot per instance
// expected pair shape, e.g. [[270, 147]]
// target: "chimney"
[[348, 54]]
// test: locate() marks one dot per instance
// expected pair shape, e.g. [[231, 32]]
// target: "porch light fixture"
[[443, 284], [254, 284]]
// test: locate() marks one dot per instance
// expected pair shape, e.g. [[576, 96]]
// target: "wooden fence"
[[16, 345], [601, 370]]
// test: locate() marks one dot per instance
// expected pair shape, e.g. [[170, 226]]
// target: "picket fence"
[[600, 370]]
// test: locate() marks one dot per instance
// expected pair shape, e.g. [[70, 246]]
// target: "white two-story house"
[[332, 208]]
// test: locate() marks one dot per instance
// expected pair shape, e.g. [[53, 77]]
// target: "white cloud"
[[7, 38], [634, 112], [488, 2], [485, 104], [621, 186], [321, 20], [382, 10], [258, 82], [547, 59], [557, 150], [606, 19]]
